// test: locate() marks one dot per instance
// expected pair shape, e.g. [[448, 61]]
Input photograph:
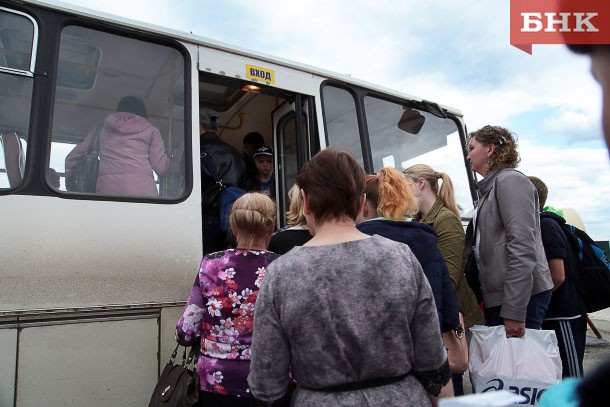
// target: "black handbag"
[[471, 270], [84, 175], [178, 385], [472, 277]]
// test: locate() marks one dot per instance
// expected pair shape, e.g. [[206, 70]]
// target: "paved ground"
[[597, 350]]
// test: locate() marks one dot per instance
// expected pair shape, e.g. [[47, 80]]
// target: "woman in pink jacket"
[[130, 149]]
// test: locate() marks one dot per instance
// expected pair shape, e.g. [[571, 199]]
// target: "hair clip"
[[502, 140]]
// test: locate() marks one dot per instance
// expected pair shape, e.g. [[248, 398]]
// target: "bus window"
[[341, 120], [124, 90], [17, 42], [401, 136]]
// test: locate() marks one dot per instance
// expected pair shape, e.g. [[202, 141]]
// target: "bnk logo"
[[553, 22], [558, 22], [531, 394]]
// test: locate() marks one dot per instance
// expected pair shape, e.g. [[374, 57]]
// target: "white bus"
[[92, 285]]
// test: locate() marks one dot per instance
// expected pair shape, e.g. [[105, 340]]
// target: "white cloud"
[[571, 122], [577, 178]]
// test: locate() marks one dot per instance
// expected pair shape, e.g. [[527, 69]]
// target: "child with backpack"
[[567, 314]]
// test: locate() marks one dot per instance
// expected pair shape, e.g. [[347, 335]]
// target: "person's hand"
[[514, 329]]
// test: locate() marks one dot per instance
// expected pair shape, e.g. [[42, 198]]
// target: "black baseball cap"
[[263, 151]]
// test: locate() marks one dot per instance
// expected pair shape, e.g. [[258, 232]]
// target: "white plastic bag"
[[526, 366]]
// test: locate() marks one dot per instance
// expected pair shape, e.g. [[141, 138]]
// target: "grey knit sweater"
[[345, 313]]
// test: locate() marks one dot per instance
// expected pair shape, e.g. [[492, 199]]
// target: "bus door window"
[[127, 96], [18, 40], [290, 157], [401, 136], [341, 120]]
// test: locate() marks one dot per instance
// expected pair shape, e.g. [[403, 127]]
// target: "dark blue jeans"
[[535, 311], [214, 239]]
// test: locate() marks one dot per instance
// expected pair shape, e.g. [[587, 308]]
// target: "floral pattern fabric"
[[220, 313]]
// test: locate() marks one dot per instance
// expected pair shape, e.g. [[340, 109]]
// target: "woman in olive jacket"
[[513, 272], [437, 208]]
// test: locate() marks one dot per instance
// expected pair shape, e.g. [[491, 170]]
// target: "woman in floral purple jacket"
[[220, 309]]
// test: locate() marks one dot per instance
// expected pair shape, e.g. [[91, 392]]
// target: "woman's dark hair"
[[254, 138], [132, 104], [334, 184], [506, 153], [587, 48]]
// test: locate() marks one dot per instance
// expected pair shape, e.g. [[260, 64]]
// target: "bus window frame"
[[33, 51], [28, 75], [35, 181], [359, 93]]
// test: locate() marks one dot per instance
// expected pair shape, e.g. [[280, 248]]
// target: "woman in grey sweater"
[[351, 316]]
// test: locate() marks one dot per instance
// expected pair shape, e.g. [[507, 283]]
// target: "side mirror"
[[411, 121]]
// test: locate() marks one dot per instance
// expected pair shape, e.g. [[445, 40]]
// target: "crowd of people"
[[352, 308], [349, 304]]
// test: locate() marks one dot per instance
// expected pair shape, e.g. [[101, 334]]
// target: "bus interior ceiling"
[[240, 109]]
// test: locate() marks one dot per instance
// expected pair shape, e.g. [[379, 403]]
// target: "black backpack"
[[593, 281]]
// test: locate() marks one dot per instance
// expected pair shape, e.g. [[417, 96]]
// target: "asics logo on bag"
[[531, 394]]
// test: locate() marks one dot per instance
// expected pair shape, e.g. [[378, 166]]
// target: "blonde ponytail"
[[445, 192]]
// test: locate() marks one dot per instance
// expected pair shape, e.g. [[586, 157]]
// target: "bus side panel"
[[8, 359], [90, 364], [76, 253], [169, 319]]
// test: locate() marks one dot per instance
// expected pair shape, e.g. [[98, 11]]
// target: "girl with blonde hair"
[[438, 209], [296, 233], [426, 179], [219, 312], [388, 202]]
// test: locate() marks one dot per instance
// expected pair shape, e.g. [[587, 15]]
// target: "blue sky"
[[454, 52]]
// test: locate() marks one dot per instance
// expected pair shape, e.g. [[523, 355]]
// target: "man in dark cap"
[[227, 166], [252, 141]]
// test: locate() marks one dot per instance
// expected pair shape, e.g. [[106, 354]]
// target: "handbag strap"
[[480, 205], [190, 361], [208, 164], [94, 145]]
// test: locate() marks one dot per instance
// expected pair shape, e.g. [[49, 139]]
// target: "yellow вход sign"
[[260, 74]]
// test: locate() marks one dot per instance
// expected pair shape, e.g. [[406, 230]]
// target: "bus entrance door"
[[293, 135]]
